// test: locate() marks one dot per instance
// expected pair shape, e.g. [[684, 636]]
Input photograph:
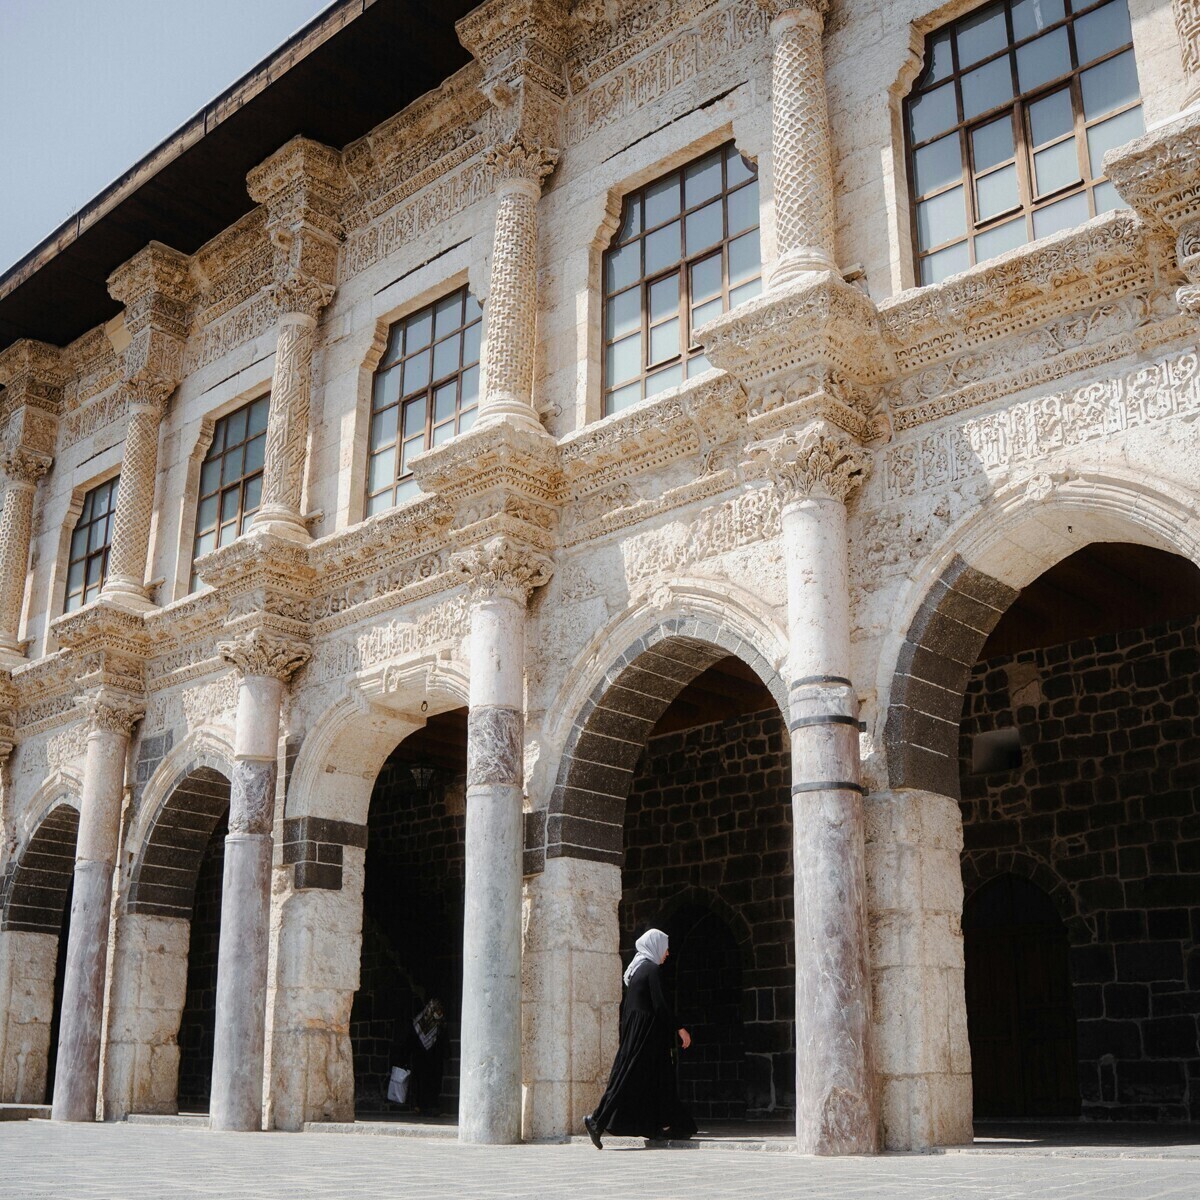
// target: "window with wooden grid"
[[687, 250], [426, 390], [1008, 125], [87, 567], [231, 477]]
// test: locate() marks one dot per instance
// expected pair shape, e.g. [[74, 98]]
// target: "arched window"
[[426, 391], [687, 251], [1008, 125], [87, 568], [231, 477]]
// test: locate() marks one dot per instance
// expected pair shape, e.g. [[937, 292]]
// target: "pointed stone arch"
[[39, 876]]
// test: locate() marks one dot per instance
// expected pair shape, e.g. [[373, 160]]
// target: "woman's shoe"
[[593, 1131]]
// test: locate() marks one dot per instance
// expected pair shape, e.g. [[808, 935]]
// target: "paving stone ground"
[[40, 1160]]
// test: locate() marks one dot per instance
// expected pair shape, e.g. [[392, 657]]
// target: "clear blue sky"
[[87, 87]]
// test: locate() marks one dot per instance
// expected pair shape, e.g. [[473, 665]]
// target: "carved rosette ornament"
[[801, 147], [502, 569], [110, 711], [816, 463], [265, 654]]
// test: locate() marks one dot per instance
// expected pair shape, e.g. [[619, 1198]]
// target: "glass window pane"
[[75, 576], [470, 387], [210, 475], [941, 62], [251, 498], [409, 451], [1102, 30], [737, 169], [662, 248], [229, 504], [980, 34], [745, 258], [706, 278], [622, 267], [632, 222], [1107, 198], [231, 465], [1056, 167], [380, 503], [395, 345], [416, 373], [746, 292], [708, 311], [623, 314], [1116, 131], [996, 241], [704, 228], [671, 377], [702, 180], [255, 450], [387, 388], [941, 219], [1062, 215], [1044, 59], [986, 87], [406, 489], [414, 417], [94, 565], [664, 341], [992, 143], [205, 543], [662, 201], [382, 472], [697, 365], [938, 164], [1110, 85], [418, 330], [623, 360], [447, 314], [944, 263], [664, 298], [932, 113], [79, 540], [742, 207], [206, 513], [383, 428], [997, 192], [1051, 118], [445, 356], [471, 344], [444, 401], [259, 412], [623, 397], [472, 310], [235, 427], [443, 433], [95, 535], [1032, 16]]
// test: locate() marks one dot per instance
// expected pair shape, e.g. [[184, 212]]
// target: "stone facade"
[[809, 505]]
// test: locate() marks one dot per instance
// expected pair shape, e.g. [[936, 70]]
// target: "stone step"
[[404, 1129], [24, 1112], [181, 1120]]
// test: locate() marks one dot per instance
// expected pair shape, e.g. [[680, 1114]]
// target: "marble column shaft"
[[801, 150], [1187, 22], [77, 1072], [490, 1087], [16, 528], [135, 500], [836, 1108], [240, 1034]]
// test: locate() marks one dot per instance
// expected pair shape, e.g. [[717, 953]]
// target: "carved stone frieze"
[[502, 568], [261, 653], [111, 711], [818, 462], [32, 375]]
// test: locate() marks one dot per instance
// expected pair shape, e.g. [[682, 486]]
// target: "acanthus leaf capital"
[[501, 567], [262, 653], [818, 462]]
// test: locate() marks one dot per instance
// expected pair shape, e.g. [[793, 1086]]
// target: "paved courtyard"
[[40, 1160]]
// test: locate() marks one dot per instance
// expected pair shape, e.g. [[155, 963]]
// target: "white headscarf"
[[651, 947]]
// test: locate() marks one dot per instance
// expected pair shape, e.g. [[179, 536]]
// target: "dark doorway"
[[60, 975], [197, 1026], [1020, 1017]]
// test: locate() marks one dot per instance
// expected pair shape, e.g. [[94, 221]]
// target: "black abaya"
[[641, 1100]]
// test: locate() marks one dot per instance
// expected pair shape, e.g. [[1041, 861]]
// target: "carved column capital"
[[262, 653], [111, 711], [25, 467], [32, 376], [818, 462], [782, 13], [302, 295], [502, 568], [522, 164]]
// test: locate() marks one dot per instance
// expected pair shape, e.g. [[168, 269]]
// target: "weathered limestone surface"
[[27, 969]]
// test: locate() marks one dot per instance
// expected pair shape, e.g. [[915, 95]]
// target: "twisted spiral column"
[[23, 469], [800, 145]]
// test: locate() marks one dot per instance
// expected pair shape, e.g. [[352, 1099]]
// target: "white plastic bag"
[[397, 1091]]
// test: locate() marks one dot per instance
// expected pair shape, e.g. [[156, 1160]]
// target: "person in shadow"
[[641, 1099], [426, 1058]]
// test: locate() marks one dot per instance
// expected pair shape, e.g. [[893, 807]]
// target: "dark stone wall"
[[1103, 813], [708, 859], [197, 1026], [412, 930]]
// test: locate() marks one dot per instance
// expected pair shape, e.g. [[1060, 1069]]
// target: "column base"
[[508, 410], [797, 264], [124, 593], [282, 523], [12, 656]]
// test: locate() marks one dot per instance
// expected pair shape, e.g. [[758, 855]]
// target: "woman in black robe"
[[641, 1100]]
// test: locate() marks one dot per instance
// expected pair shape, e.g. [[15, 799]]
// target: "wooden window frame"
[[690, 356], [433, 431], [1029, 201], [72, 599]]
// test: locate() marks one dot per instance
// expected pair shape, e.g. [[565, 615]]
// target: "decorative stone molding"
[[502, 568], [810, 349], [521, 163], [25, 467], [1187, 22], [111, 711], [1158, 175], [818, 462], [32, 375], [261, 653]]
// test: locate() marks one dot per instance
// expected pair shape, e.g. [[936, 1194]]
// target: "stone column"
[[801, 152], [1187, 21], [501, 575], [112, 716], [23, 468], [265, 662], [836, 1108], [508, 353]]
